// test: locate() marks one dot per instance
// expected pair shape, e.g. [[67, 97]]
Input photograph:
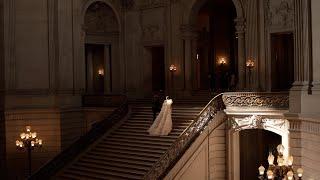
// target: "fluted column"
[[189, 36], [315, 6], [302, 58], [302, 45], [240, 27]]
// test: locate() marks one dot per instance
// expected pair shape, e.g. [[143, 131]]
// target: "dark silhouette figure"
[[156, 105]]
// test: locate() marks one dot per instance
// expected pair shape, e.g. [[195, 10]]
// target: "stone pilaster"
[[302, 45], [302, 57], [189, 36], [315, 5], [240, 31]]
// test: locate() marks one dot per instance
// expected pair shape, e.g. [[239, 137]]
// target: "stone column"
[[107, 69], [315, 6], [89, 72], [240, 27], [302, 56], [302, 45], [189, 36]]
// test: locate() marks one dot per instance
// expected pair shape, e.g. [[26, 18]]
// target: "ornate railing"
[[67, 155], [277, 100], [178, 148]]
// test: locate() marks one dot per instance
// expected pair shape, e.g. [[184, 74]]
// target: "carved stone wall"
[[100, 18], [279, 14]]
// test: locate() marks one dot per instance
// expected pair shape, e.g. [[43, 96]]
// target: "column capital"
[[188, 31], [240, 25]]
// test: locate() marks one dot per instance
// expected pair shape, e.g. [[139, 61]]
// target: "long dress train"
[[162, 126]]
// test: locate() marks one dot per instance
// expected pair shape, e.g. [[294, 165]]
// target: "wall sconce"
[[222, 61], [250, 63], [173, 68], [101, 72]]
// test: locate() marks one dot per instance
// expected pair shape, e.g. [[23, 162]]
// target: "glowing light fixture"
[[173, 68], [28, 141], [101, 72], [281, 170], [222, 61]]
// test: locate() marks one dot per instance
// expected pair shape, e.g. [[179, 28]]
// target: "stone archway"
[[189, 35], [101, 39], [277, 126]]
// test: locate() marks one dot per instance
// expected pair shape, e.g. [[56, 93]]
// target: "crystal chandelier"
[[283, 170]]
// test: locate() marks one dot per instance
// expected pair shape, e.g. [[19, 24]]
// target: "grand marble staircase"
[[128, 152]]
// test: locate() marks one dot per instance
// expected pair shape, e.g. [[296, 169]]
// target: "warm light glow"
[[222, 61], [22, 135], [290, 175], [197, 56], [100, 72], [269, 174], [290, 160], [280, 149], [261, 170], [280, 161], [270, 159], [250, 63], [34, 135], [28, 139], [283, 167], [300, 172], [28, 128], [173, 68]]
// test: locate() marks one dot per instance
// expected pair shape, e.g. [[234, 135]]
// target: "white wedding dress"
[[162, 126]]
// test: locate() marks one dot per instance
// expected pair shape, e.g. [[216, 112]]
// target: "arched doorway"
[[101, 28], [250, 139], [216, 45]]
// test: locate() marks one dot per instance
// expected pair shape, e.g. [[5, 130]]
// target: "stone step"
[[129, 152], [96, 157], [96, 173]]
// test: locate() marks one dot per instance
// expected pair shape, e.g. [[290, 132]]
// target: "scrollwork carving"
[[256, 122], [264, 100]]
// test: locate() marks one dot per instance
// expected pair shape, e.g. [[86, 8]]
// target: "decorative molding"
[[189, 31], [151, 4], [100, 18], [44, 92], [151, 32], [259, 100], [306, 126], [127, 4], [279, 14], [240, 25], [257, 122]]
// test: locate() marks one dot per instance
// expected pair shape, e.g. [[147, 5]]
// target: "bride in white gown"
[[163, 124]]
